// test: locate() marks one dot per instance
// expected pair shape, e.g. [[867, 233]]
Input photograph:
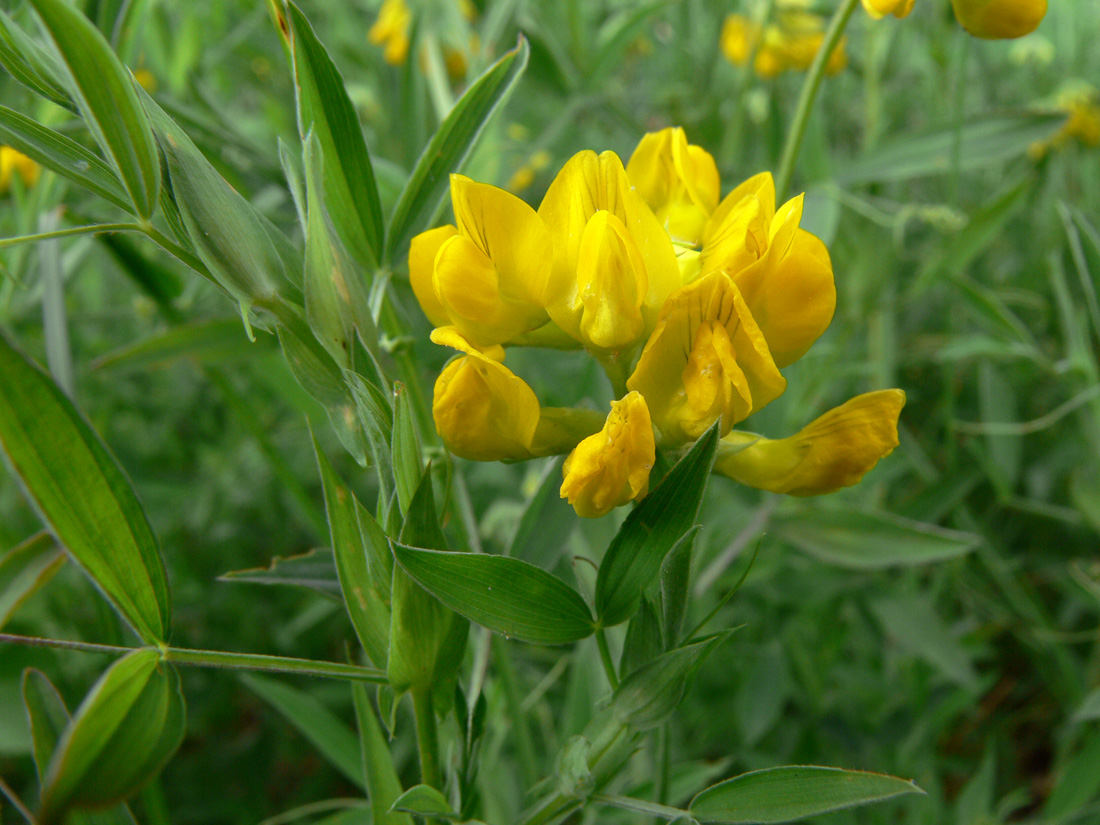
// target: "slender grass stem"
[[962, 52], [16, 802], [427, 738], [605, 657], [93, 229], [806, 97], [221, 659]]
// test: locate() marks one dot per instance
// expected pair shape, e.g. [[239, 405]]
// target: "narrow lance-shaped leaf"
[[82, 494], [506, 595], [30, 63], [648, 696], [449, 148], [793, 792], [351, 194], [24, 569], [383, 784], [105, 94], [123, 733], [651, 530]]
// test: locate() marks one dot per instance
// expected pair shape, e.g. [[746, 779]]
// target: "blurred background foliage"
[[963, 226]]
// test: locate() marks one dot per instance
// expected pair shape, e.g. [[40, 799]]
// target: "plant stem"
[[663, 764], [94, 229], [221, 659], [806, 97], [16, 802], [605, 657], [520, 731], [962, 51], [427, 738]]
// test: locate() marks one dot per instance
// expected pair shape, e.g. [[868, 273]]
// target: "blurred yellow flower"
[[1000, 19], [12, 163], [1081, 101], [391, 31], [146, 79], [834, 451], [612, 467], [788, 44], [880, 8]]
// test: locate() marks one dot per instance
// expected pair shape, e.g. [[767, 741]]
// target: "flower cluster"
[[443, 18], [989, 19], [789, 43], [693, 303], [12, 163]]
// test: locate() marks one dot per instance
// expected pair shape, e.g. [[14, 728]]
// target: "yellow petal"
[[678, 181], [690, 378], [834, 451], [14, 162], [482, 410], [391, 30], [588, 184], [611, 285], [1000, 19], [737, 38], [612, 467], [880, 8], [422, 252]]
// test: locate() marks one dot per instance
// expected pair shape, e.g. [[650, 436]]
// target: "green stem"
[[605, 657], [178, 252], [427, 738], [962, 51], [664, 766], [439, 86], [731, 140], [94, 229], [806, 97], [507, 674], [16, 802], [221, 659]]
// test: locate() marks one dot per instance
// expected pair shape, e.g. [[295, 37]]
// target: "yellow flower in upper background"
[[678, 181], [488, 276], [880, 8], [707, 359], [13, 162], [614, 264], [790, 43], [612, 467], [1081, 101], [834, 451], [391, 31], [1000, 19]]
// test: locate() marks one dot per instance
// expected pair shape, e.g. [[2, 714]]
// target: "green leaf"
[[351, 194], [407, 469], [1078, 780], [124, 732], [24, 569], [332, 738], [644, 641], [61, 154], [651, 530], [426, 801], [870, 541], [1089, 709], [546, 522], [383, 784], [82, 494], [29, 63], [650, 694], [369, 615], [449, 148], [315, 570], [506, 595], [791, 793], [913, 623], [208, 342], [991, 140], [104, 91]]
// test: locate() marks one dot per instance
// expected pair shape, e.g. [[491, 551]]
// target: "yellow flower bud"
[[707, 359], [482, 410], [490, 277], [880, 8], [791, 42], [834, 451], [13, 162], [626, 235], [612, 467], [391, 30], [678, 181], [1000, 19]]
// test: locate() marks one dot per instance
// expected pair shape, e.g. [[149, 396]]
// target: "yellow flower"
[[834, 451], [489, 275], [612, 467], [880, 8], [614, 264], [146, 79], [790, 43], [707, 359], [1081, 101], [678, 181], [482, 410], [13, 162], [1000, 19], [391, 30]]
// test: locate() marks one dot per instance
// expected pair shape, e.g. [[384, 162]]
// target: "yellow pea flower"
[[13, 162], [678, 181], [707, 359], [1081, 101], [612, 467], [490, 273], [1000, 19], [482, 410], [880, 8], [790, 43], [834, 451], [784, 272], [614, 264], [391, 31]]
